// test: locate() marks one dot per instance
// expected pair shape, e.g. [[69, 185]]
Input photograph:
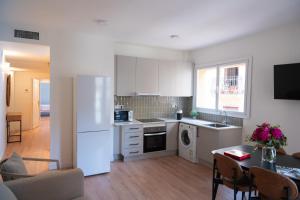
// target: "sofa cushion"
[[14, 164], [5, 193], [51, 185]]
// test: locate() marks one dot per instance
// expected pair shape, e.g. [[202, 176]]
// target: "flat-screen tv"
[[287, 81]]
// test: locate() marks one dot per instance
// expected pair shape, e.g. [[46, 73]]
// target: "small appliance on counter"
[[121, 115], [179, 114]]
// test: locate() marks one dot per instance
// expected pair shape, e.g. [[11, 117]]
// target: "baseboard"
[[150, 155], [117, 157]]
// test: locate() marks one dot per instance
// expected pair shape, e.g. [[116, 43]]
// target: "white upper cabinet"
[[175, 78], [184, 84], [142, 76], [167, 78], [147, 76], [125, 70]]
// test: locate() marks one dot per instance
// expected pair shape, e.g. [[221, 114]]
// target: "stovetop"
[[150, 120]]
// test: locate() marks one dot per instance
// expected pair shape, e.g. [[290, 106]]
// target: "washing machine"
[[187, 141]]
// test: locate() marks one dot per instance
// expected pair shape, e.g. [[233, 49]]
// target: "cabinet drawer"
[[134, 128], [128, 144], [133, 151], [133, 136]]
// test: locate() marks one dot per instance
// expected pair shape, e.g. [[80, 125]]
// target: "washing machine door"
[[185, 139]]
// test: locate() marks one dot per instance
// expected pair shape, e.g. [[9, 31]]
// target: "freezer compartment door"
[[94, 103], [94, 152]]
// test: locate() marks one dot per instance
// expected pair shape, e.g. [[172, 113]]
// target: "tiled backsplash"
[[155, 106], [145, 107]]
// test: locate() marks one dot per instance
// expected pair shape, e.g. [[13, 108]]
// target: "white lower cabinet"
[[209, 140], [117, 143], [131, 140], [172, 136]]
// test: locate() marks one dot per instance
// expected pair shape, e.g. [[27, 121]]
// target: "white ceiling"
[[28, 57], [199, 23], [23, 51]]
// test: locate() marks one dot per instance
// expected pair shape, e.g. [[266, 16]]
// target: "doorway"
[[35, 103], [40, 101], [29, 67], [44, 98]]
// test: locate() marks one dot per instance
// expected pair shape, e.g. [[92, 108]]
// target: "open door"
[[35, 103]]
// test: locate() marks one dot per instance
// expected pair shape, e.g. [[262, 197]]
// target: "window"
[[207, 85], [223, 87]]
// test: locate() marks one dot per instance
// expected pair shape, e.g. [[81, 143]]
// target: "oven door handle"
[[154, 134]]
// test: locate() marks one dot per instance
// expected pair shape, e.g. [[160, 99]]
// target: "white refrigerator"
[[93, 119]]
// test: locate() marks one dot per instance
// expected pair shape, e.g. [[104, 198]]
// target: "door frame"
[[35, 123]]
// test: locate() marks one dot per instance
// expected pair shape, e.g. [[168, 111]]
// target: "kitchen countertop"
[[195, 122], [134, 122], [200, 123]]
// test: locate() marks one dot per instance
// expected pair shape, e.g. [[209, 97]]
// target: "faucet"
[[225, 121]]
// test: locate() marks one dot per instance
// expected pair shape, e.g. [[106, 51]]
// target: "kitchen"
[[151, 96], [154, 116], [163, 60]]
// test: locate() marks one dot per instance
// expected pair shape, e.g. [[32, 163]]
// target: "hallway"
[[35, 143]]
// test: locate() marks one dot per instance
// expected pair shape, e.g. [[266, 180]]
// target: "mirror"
[[8, 86]]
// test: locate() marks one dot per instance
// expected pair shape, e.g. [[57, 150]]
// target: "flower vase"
[[268, 154]]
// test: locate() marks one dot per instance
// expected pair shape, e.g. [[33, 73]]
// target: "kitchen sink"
[[217, 125]]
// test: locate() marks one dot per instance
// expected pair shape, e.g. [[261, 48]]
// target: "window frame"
[[248, 81]]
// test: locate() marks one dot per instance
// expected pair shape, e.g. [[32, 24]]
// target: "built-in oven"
[[154, 138]]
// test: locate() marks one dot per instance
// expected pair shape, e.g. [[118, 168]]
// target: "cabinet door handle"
[[135, 136], [134, 144], [133, 152], [134, 128]]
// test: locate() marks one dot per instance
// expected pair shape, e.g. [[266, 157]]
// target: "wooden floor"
[[35, 143], [165, 178]]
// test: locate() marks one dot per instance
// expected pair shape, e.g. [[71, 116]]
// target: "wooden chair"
[[228, 172], [16, 176], [281, 151], [272, 185], [296, 155]]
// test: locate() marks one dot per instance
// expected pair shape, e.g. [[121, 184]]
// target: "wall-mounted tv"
[[287, 81]]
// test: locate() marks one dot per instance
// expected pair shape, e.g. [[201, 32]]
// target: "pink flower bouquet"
[[268, 135]]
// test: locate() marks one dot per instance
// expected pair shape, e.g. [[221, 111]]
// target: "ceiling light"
[[101, 21], [174, 36]]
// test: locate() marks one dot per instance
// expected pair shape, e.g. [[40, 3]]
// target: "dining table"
[[256, 160]]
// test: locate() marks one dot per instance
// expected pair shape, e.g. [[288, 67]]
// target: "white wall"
[[2, 108], [277, 46], [71, 54], [150, 52]]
